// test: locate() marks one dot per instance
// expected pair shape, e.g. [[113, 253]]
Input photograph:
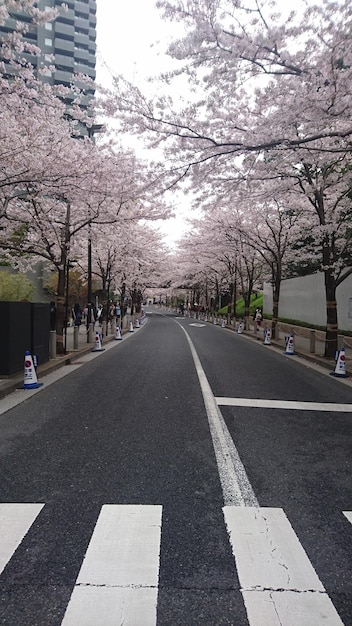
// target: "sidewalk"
[[11, 383], [307, 345]]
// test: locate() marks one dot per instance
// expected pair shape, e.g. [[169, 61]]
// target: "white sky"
[[130, 35], [131, 39]]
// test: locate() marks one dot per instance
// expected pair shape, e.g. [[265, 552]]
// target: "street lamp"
[[69, 265], [95, 128]]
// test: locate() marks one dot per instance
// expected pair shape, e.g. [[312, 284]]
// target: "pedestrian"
[[258, 318], [112, 311], [100, 314], [77, 315]]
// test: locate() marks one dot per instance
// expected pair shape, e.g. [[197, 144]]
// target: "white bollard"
[[52, 344]]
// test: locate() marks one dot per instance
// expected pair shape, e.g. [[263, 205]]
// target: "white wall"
[[303, 299]]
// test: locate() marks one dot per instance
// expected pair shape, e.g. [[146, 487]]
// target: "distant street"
[[185, 476]]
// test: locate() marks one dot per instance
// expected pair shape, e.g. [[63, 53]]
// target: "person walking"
[[77, 315]]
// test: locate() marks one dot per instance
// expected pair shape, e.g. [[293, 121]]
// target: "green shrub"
[[15, 287]]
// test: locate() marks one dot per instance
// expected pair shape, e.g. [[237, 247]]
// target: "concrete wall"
[[303, 299]]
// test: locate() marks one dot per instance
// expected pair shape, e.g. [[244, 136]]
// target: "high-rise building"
[[68, 43]]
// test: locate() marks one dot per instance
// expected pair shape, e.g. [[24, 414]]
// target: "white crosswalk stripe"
[[348, 514], [118, 581], [279, 585], [15, 521]]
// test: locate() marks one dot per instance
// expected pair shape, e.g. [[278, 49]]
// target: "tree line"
[[261, 134], [60, 190]]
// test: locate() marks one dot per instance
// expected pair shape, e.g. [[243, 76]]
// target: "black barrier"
[[40, 331], [24, 326]]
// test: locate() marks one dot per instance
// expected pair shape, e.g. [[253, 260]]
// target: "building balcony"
[[92, 34], [65, 30], [92, 6], [82, 7], [63, 78], [65, 62], [82, 39], [64, 46], [81, 24], [66, 17], [93, 21], [85, 70], [84, 55]]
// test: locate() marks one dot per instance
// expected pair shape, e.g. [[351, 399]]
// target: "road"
[[184, 476]]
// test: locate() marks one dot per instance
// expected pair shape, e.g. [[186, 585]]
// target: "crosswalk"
[[118, 580]]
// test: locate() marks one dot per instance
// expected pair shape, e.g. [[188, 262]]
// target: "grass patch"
[[256, 303]]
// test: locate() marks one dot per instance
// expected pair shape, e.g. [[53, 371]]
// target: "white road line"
[[236, 487], [284, 404], [15, 521], [348, 514], [279, 585], [118, 580]]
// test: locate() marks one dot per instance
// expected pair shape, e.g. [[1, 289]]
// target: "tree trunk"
[[234, 298], [62, 284], [331, 339], [247, 300], [276, 298], [60, 311]]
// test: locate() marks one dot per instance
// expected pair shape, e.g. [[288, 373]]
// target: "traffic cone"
[[222, 323], [340, 369], [240, 328], [30, 376], [137, 324], [267, 337], [118, 335], [214, 321], [98, 347], [131, 330], [290, 345]]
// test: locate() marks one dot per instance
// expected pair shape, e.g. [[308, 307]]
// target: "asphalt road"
[[243, 520]]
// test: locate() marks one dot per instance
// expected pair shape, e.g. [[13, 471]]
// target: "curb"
[[14, 382]]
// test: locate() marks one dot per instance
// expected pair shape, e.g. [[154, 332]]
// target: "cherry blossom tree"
[[129, 258], [223, 262], [268, 91], [56, 184]]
